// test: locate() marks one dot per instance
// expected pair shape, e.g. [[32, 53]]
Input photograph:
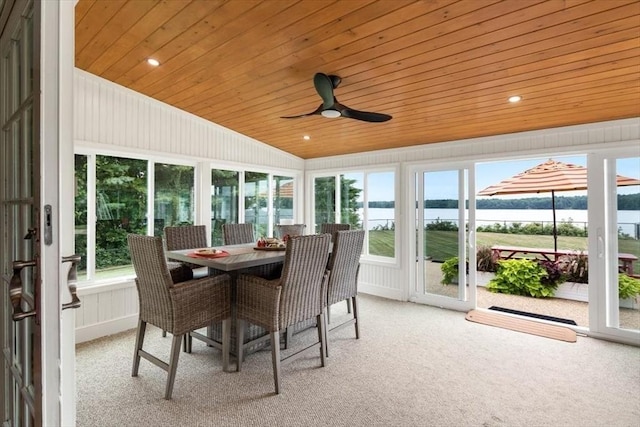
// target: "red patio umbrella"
[[550, 176]]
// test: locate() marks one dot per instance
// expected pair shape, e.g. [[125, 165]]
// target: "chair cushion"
[[179, 272]]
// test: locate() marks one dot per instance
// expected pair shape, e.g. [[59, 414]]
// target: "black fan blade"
[[317, 111], [324, 87], [365, 116]]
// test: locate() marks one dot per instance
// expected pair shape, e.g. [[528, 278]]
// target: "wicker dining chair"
[[187, 237], [344, 265], [179, 308], [333, 228], [295, 297], [235, 234], [282, 230]]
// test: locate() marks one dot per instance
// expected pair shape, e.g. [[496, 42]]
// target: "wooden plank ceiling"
[[443, 69]]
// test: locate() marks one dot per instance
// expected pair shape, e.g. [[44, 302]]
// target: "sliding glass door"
[[614, 246], [444, 217]]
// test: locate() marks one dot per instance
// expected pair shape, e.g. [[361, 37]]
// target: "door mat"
[[536, 315], [522, 325]]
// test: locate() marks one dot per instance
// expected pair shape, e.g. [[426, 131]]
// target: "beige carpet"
[[414, 366]]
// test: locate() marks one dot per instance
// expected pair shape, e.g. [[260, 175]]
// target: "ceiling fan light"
[[332, 114]]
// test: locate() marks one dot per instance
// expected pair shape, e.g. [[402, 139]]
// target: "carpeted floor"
[[414, 365]]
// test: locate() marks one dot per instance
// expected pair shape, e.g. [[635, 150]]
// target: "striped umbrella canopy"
[[549, 177]]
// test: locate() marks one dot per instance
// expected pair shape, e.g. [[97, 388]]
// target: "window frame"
[[366, 171], [202, 195]]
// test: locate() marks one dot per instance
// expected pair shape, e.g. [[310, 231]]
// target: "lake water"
[[626, 219]]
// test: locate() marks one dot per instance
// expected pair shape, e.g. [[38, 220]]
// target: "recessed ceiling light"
[[515, 98], [306, 137], [153, 62]]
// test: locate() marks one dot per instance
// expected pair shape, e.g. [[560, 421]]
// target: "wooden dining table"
[[236, 259], [240, 257]]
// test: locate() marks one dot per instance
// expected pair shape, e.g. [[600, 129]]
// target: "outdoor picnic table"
[[509, 252]]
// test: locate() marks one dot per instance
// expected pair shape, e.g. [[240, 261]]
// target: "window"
[[115, 196], [224, 201], [255, 201], [112, 200], [282, 197], [366, 200], [121, 208], [173, 198]]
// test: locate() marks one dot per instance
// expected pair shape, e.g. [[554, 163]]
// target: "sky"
[[443, 185]]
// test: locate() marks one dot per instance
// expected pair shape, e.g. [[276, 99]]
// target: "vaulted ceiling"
[[443, 69]]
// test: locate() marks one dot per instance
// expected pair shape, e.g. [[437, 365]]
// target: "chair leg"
[[275, 358], [326, 329], [187, 340], [240, 337], [355, 316], [226, 337], [288, 334], [164, 333], [328, 314], [142, 327], [322, 337], [173, 365], [348, 305]]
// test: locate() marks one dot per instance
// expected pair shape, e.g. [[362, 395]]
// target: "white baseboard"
[[103, 329], [380, 291]]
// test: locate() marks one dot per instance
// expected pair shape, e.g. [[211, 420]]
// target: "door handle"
[[72, 277], [15, 290], [15, 286]]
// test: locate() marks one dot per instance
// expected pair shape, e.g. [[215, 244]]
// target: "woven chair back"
[[236, 234], [303, 278], [344, 265], [185, 237], [153, 280], [333, 228]]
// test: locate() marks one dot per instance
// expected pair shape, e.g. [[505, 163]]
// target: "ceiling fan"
[[330, 106]]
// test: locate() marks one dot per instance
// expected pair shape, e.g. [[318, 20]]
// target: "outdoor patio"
[[577, 311]]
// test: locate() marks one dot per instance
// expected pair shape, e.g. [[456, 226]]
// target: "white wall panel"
[[112, 115]]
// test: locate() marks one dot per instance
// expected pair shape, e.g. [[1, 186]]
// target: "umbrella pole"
[[555, 230]]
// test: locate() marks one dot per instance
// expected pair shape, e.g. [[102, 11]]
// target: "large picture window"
[[365, 200], [116, 196]]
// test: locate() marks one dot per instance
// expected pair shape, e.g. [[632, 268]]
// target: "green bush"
[[521, 277], [449, 270], [628, 287]]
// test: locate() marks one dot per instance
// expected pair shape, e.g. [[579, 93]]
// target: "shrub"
[[576, 267], [486, 260], [449, 270], [520, 277], [555, 273], [628, 287], [440, 225]]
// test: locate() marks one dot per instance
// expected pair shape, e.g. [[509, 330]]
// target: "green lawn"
[[441, 245]]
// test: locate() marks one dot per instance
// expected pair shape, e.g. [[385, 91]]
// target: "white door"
[[444, 238], [614, 241], [30, 259]]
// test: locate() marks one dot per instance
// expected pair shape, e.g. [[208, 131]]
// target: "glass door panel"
[[614, 245], [626, 212], [442, 239]]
